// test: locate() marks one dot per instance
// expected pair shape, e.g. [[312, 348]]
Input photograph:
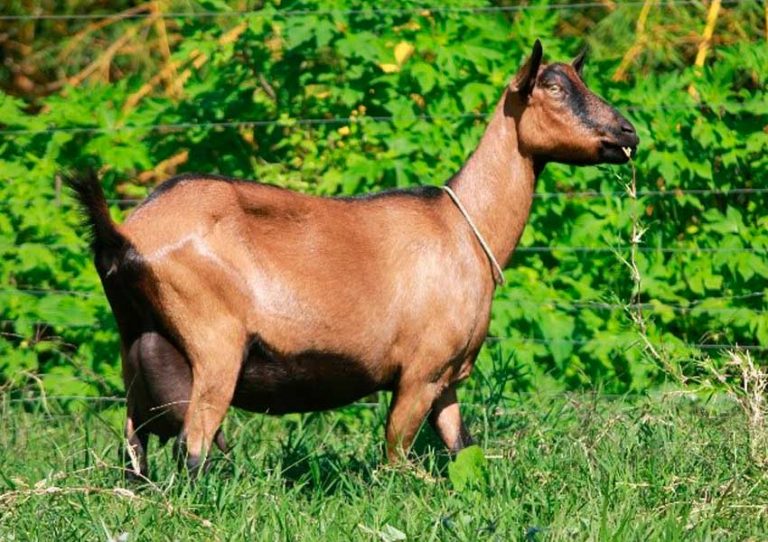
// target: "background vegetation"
[[348, 97], [342, 98]]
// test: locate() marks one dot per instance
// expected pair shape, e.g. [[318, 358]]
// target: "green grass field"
[[561, 467]]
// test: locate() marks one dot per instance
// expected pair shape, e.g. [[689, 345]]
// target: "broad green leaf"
[[469, 470]]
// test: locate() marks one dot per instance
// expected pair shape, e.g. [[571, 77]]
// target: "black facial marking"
[[575, 98]]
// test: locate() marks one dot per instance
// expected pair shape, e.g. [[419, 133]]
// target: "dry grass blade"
[[175, 86], [164, 169], [765, 7], [10, 497], [751, 396], [641, 39], [746, 382], [709, 30], [165, 48], [75, 40], [706, 41], [105, 59], [635, 307]]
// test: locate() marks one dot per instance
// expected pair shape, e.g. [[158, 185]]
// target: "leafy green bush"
[[334, 98]]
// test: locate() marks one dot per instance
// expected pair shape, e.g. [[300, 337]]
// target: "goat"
[[229, 292]]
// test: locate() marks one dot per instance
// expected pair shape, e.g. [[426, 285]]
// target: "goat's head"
[[560, 120]]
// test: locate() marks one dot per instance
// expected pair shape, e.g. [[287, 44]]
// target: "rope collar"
[[498, 273]]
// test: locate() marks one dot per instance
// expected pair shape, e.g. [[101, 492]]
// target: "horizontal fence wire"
[[543, 304], [49, 291], [39, 397], [288, 122], [620, 343], [416, 9], [527, 249], [671, 192], [665, 250], [43, 398], [694, 304]]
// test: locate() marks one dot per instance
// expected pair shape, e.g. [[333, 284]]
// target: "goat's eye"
[[554, 89]]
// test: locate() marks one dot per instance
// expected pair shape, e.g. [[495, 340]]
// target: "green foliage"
[[559, 322], [469, 470]]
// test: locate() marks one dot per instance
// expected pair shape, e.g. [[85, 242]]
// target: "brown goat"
[[239, 293]]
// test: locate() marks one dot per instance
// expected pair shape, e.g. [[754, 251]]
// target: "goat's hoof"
[[194, 464], [136, 477], [134, 469]]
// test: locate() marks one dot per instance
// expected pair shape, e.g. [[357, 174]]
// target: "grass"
[[563, 467]]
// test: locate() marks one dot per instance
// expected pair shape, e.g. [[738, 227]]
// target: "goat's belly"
[[307, 382]]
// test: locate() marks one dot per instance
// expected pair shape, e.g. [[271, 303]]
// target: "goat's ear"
[[578, 62], [525, 79]]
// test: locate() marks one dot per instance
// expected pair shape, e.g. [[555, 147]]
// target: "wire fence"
[[671, 192], [288, 122], [695, 307], [523, 249], [37, 397], [691, 305], [55, 406], [424, 9], [703, 306], [618, 343]]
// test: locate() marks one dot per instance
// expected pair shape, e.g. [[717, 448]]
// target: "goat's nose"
[[628, 133], [627, 128]]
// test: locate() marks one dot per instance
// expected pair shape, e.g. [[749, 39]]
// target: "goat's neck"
[[496, 184]]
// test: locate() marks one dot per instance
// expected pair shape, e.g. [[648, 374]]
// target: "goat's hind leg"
[[445, 419], [133, 449], [168, 378], [215, 369], [133, 452]]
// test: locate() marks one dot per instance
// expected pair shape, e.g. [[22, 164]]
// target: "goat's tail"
[[107, 242]]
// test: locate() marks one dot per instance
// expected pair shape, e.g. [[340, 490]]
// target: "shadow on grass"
[[325, 453], [311, 466]]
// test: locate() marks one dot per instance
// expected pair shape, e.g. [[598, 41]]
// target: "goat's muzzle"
[[612, 147]]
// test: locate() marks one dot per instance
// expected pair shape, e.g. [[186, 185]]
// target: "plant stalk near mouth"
[[635, 308]]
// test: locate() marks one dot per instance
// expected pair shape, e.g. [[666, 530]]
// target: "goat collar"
[[498, 273]]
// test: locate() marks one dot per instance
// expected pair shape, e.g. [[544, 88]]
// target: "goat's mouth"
[[617, 152]]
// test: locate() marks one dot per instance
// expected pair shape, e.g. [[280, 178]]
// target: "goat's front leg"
[[215, 370], [445, 419], [409, 407]]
